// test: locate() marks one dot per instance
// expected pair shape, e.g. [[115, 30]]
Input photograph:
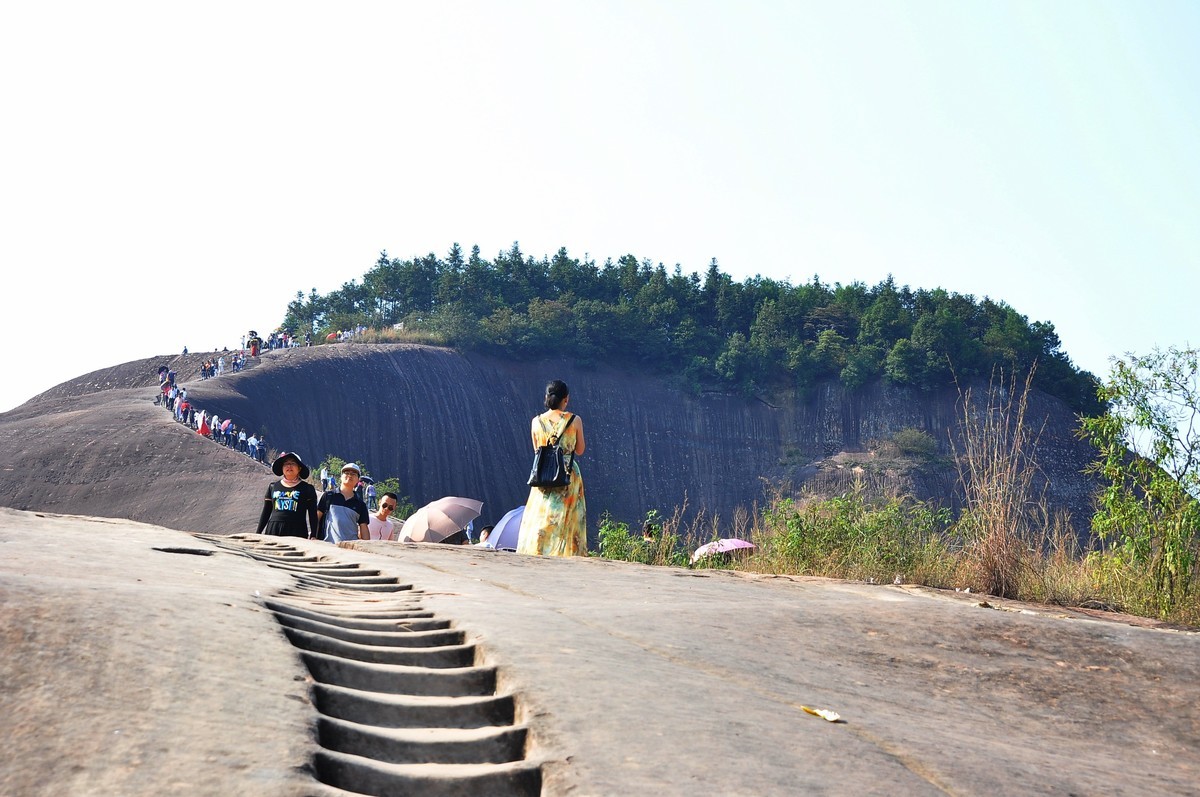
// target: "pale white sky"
[[171, 175]]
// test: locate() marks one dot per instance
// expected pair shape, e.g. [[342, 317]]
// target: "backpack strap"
[[554, 440]]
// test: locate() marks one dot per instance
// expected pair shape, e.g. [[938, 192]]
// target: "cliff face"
[[448, 423], [454, 424]]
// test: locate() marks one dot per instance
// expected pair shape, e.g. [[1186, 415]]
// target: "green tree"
[[633, 312], [886, 320], [1149, 444], [734, 363], [830, 353], [862, 366], [905, 364]]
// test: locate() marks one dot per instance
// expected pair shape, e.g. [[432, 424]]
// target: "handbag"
[[551, 467]]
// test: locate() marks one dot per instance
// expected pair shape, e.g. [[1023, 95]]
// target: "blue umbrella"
[[507, 530]]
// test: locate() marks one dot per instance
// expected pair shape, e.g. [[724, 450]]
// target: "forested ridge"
[[753, 335]]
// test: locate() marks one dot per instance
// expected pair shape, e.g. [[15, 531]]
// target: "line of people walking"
[[220, 430]]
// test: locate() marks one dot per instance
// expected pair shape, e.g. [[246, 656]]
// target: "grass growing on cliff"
[[425, 337], [1005, 542]]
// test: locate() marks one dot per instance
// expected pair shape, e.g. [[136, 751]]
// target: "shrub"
[[996, 468], [854, 536], [916, 443]]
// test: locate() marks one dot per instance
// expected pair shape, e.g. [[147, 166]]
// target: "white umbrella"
[[438, 519]]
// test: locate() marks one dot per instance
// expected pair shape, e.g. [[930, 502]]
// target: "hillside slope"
[[448, 423]]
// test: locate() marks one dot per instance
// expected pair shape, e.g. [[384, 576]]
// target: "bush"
[[915, 443], [853, 536], [666, 548]]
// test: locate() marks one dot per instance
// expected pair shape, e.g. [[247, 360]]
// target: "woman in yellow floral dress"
[[555, 519]]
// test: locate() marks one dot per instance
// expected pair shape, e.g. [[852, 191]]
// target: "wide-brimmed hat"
[[277, 465]]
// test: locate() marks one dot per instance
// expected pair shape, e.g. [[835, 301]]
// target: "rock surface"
[[140, 660]]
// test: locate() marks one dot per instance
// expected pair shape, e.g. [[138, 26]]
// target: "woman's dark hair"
[[556, 391]]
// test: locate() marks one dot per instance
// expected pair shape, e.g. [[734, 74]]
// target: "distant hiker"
[[241, 441], [555, 523], [371, 496], [341, 514], [381, 527], [185, 351], [325, 479], [262, 448], [290, 505]]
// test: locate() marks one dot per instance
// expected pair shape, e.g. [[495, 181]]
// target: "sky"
[[172, 175]]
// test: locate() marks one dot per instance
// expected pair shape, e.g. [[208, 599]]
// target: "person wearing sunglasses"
[[381, 527]]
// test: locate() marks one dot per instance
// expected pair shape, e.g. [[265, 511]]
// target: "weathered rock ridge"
[[448, 423]]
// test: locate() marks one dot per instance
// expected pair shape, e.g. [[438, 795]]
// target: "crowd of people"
[[223, 431], [291, 507], [215, 366], [343, 335], [554, 522], [283, 339]]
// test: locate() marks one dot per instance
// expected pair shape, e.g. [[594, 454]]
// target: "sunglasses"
[[387, 506]]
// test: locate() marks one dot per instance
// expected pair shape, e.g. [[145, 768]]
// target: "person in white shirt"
[[379, 527]]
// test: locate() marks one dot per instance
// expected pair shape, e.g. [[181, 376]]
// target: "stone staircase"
[[405, 707]]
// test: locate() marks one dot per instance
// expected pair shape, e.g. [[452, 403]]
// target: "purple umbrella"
[[507, 530], [720, 546]]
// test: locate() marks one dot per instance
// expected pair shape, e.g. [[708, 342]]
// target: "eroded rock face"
[[448, 423]]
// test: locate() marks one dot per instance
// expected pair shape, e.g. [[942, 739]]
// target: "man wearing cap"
[[290, 508], [341, 514]]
